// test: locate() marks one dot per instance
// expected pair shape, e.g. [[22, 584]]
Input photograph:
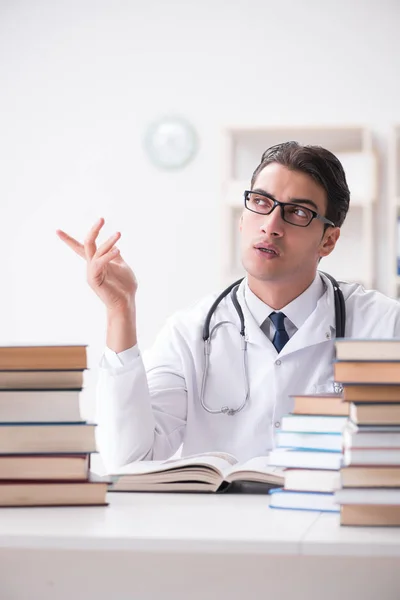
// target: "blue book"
[[331, 442], [313, 423], [280, 498], [295, 458]]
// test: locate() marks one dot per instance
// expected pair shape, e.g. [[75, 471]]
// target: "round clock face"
[[171, 143]]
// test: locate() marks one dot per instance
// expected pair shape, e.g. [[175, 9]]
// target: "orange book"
[[26, 358], [367, 372], [371, 393], [41, 380], [48, 467], [375, 414], [370, 477], [369, 514], [323, 404], [40, 493]]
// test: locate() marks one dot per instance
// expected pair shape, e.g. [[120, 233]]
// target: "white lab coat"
[[149, 407]]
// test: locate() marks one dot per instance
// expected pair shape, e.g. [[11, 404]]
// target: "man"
[[292, 218]]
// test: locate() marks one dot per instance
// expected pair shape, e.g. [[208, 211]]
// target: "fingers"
[[71, 242], [107, 246], [90, 241], [88, 249], [96, 266]]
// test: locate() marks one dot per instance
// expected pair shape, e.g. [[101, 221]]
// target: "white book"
[[365, 349], [310, 441], [43, 406], [47, 438], [376, 456], [298, 459], [313, 423], [312, 480], [354, 437], [368, 496]]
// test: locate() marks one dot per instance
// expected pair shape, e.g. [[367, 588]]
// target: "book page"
[[256, 465], [217, 461], [205, 456]]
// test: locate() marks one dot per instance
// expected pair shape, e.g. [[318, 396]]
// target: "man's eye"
[[300, 212]]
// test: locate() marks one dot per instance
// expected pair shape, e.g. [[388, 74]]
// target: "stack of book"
[[370, 478], [309, 447], [45, 445]]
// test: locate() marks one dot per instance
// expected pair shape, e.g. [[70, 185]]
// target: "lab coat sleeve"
[[112, 359], [142, 404], [397, 324]]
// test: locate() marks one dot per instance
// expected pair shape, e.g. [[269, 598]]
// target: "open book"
[[210, 472]]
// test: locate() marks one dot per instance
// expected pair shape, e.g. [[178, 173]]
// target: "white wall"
[[79, 82]]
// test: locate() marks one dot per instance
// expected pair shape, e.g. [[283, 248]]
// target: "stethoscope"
[[340, 323]]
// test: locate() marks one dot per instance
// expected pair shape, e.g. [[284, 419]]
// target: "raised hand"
[[107, 273]]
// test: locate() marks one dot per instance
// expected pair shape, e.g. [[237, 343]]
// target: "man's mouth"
[[267, 249]]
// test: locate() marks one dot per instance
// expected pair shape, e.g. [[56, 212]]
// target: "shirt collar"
[[297, 311]]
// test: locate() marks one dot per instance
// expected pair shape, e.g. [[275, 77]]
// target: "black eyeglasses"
[[295, 214]]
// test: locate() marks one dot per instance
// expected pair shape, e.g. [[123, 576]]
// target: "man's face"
[[297, 249]]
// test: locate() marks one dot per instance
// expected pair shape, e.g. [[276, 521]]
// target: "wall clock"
[[171, 142]]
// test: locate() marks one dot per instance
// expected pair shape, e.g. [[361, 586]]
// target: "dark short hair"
[[323, 166]]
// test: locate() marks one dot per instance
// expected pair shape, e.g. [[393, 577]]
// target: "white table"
[[192, 546]]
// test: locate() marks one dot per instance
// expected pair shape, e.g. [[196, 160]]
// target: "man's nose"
[[273, 224]]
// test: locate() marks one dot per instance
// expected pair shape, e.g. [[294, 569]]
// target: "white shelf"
[[396, 175], [361, 174], [248, 144], [352, 243], [361, 170], [393, 213], [234, 192]]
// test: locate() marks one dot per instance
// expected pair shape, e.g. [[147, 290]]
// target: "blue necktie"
[[281, 336]]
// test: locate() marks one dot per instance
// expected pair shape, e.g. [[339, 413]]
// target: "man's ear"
[[241, 222], [328, 241]]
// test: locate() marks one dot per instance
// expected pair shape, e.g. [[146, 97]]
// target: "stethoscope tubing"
[[340, 322]]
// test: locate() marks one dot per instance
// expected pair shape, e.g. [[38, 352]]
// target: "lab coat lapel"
[[254, 334], [319, 327]]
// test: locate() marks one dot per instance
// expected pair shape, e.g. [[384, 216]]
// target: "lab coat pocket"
[[325, 388]]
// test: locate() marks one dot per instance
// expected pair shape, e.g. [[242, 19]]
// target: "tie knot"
[[278, 319]]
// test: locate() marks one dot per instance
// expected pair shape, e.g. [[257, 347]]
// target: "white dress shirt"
[[296, 312]]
